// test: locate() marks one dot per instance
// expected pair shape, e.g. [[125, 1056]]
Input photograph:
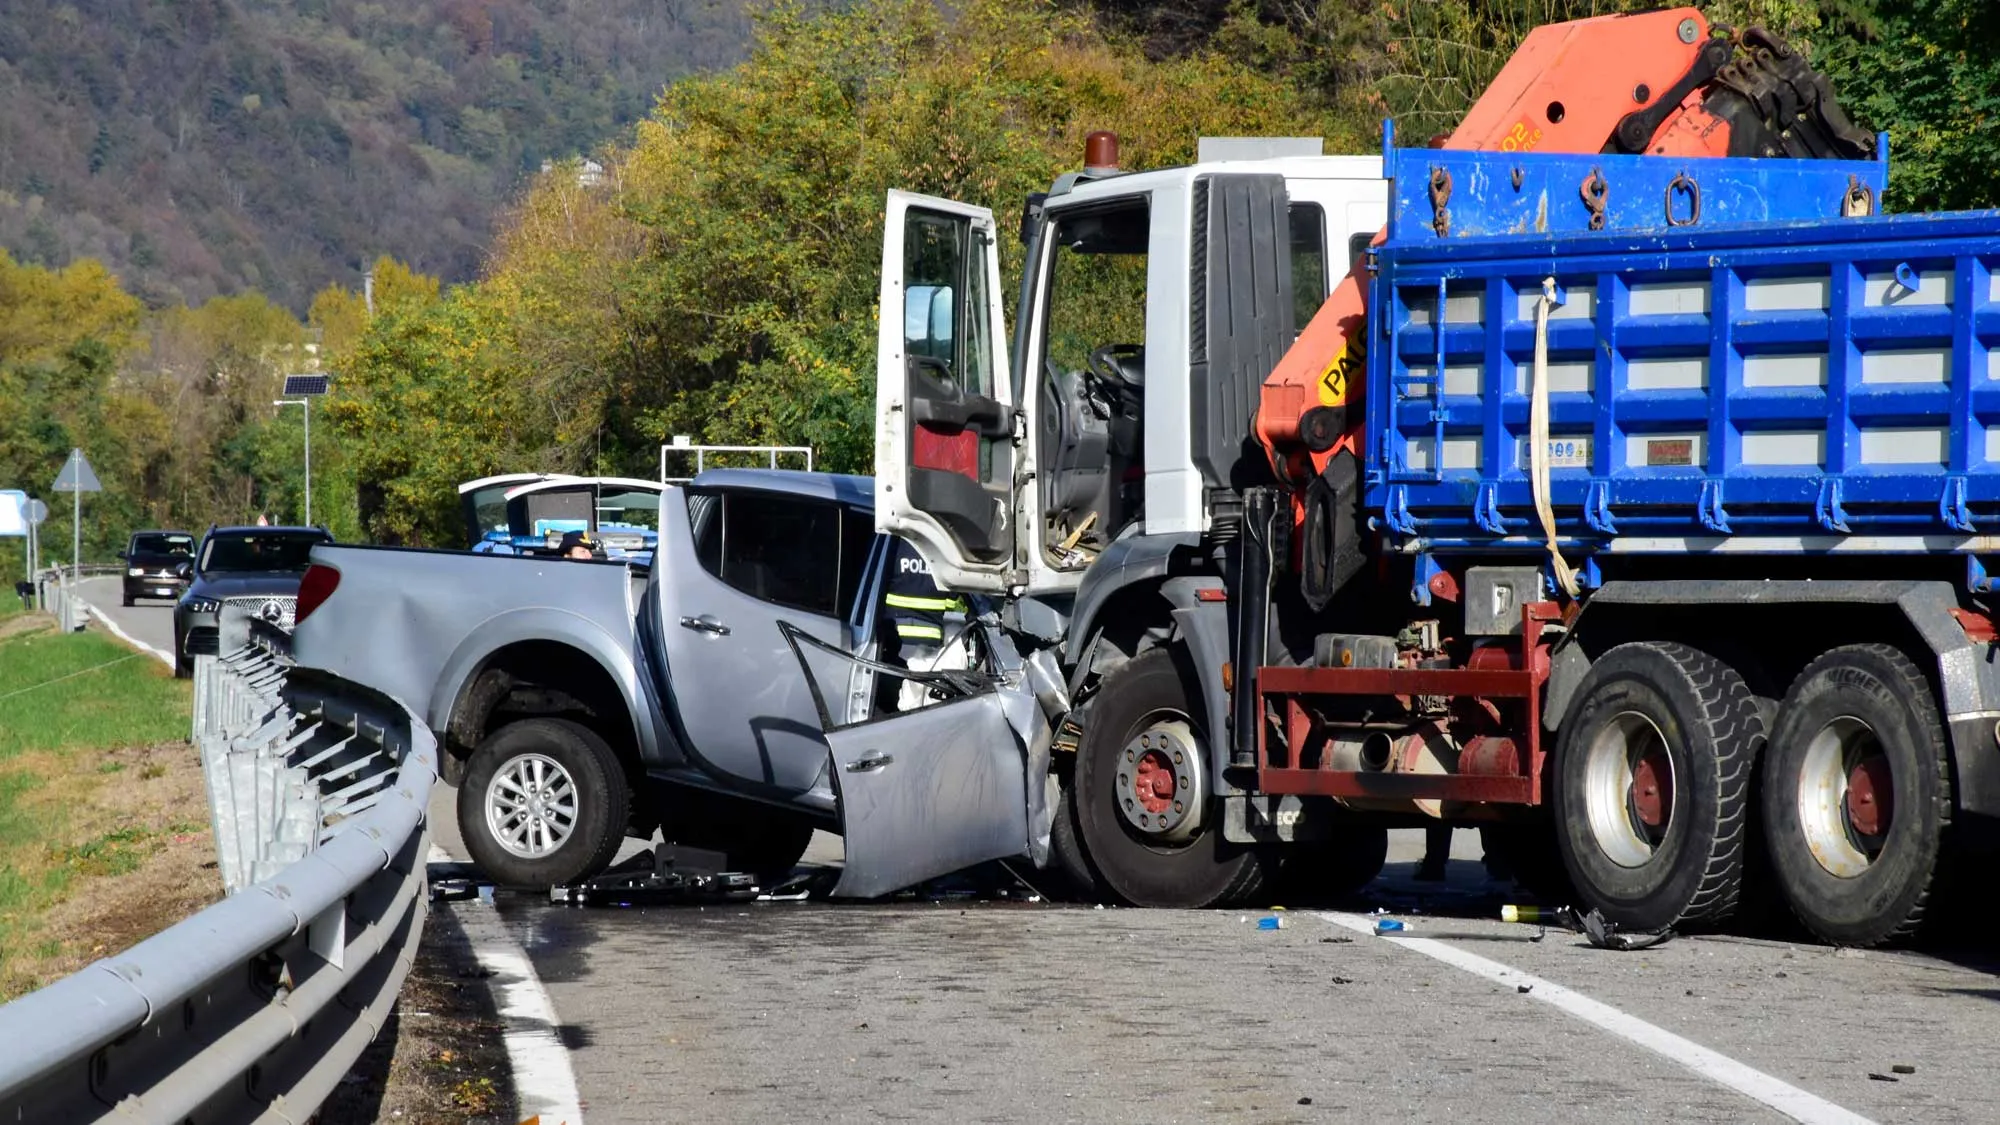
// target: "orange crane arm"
[[1658, 82]]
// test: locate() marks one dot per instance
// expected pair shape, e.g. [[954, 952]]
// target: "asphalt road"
[[151, 623], [1038, 1012], [1034, 1012]]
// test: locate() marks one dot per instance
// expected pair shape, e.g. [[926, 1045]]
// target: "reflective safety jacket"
[[916, 606]]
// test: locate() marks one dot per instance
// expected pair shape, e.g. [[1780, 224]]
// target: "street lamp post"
[[307, 387], [307, 403]]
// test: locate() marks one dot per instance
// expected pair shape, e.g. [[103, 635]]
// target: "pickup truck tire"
[[1652, 785], [1857, 796], [555, 769], [1146, 700]]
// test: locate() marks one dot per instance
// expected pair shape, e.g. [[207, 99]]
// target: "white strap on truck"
[[1538, 438]]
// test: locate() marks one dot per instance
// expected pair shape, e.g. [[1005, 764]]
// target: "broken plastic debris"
[[1874, 1077], [1903, 1068], [1389, 926], [1272, 923]]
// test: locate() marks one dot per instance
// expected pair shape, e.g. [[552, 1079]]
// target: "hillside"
[[209, 146]]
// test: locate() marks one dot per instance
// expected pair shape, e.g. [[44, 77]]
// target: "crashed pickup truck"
[[728, 696]]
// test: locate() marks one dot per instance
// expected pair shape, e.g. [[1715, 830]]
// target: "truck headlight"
[[136, 572]]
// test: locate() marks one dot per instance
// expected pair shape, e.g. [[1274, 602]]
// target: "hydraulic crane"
[[1663, 83]]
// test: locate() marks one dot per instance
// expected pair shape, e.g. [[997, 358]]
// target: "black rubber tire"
[[603, 803], [1888, 900], [762, 841], [128, 601], [1334, 868], [183, 663], [1712, 730], [1067, 857], [1532, 857], [1205, 871]]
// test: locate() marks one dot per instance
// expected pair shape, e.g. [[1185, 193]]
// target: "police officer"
[[924, 618], [579, 545]]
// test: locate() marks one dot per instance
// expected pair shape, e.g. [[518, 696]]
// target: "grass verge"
[[104, 834]]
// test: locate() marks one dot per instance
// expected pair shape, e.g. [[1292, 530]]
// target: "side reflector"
[[1211, 594], [318, 585], [1228, 676]]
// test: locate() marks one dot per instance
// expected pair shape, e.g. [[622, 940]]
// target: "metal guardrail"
[[253, 1009], [56, 592]]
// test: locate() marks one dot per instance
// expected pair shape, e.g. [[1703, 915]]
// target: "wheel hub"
[[1871, 796], [1846, 797], [1629, 789], [1653, 790], [531, 806], [1161, 785]]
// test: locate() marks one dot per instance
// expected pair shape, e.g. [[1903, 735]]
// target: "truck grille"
[[278, 611]]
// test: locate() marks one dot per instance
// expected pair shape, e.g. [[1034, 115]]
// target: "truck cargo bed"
[[1807, 381]]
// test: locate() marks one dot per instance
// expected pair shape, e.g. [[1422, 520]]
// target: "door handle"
[[706, 623], [872, 760]]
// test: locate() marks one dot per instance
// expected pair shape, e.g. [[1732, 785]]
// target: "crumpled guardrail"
[[253, 1009]]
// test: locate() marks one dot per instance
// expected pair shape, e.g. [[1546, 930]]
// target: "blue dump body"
[[1770, 377]]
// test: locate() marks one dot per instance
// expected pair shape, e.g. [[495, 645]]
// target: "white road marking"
[[543, 1080], [125, 636], [1712, 1065]]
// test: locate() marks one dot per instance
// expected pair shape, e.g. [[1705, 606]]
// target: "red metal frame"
[[1291, 685]]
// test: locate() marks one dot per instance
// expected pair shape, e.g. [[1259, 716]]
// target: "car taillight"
[[318, 585]]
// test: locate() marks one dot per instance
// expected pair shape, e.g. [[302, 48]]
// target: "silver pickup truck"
[[726, 696]]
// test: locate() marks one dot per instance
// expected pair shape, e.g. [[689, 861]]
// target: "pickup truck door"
[[944, 439], [730, 564], [922, 793]]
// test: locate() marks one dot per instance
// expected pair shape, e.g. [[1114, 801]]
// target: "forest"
[[719, 278]]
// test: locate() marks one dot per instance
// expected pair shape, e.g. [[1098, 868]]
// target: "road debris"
[[1903, 1068]]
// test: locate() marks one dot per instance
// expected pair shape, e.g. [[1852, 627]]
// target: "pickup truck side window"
[[780, 549]]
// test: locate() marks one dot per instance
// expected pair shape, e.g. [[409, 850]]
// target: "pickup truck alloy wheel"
[[1857, 795], [1651, 791], [531, 806], [544, 803], [1144, 710]]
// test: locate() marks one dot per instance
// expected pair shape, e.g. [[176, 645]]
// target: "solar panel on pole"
[[305, 384]]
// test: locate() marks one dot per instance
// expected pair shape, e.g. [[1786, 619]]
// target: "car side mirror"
[[185, 570], [122, 555]]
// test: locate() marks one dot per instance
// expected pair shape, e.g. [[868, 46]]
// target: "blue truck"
[[1662, 556]]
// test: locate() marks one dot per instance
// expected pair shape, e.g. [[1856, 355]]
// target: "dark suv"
[[255, 566], [153, 562]]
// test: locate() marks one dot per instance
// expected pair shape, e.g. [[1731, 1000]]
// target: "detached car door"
[[727, 571]]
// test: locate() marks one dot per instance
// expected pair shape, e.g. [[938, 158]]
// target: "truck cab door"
[[944, 439]]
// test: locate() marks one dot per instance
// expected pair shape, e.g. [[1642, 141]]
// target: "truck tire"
[[1652, 785], [1335, 868], [1066, 852], [1857, 796], [544, 803], [1142, 732], [764, 842]]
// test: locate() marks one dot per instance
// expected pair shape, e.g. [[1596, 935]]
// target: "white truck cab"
[[1152, 305]]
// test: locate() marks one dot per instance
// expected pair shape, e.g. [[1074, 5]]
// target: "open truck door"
[[927, 792], [944, 438]]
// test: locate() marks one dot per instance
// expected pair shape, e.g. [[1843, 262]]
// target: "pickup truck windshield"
[[259, 552]]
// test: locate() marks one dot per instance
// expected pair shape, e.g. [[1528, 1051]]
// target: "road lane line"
[[125, 636], [544, 1084], [1712, 1065]]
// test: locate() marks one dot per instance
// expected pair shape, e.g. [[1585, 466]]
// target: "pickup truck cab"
[[579, 701]]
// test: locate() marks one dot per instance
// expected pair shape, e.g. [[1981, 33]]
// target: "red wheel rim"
[[1653, 790], [1871, 796]]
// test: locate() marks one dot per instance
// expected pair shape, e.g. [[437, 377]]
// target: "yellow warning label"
[[1346, 367]]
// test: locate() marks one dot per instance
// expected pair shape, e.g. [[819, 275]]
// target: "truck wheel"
[[763, 842], [1144, 811], [1335, 868], [1066, 853], [1857, 795], [1652, 784], [543, 804]]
